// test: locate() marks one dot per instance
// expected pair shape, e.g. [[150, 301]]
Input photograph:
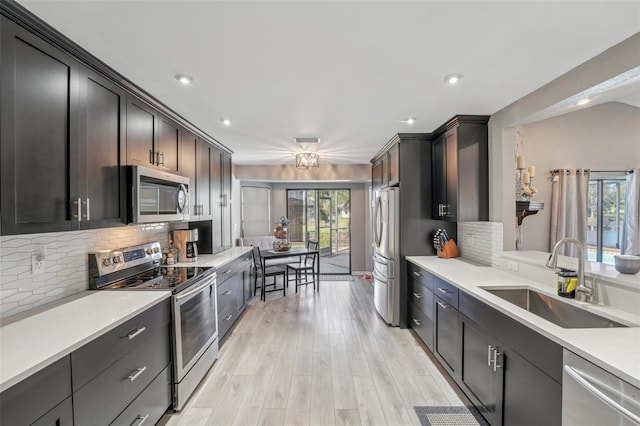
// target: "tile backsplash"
[[481, 242], [65, 263]]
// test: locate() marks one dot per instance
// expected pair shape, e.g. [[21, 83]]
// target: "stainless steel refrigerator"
[[386, 256]]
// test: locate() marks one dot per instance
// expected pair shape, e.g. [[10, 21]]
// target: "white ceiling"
[[348, 72]]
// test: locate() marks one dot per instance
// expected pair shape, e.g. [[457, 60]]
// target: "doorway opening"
[[323, 215]]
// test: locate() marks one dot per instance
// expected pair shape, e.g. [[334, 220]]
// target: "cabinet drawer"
[[421, 297], [25, 402], [421, 324], [423, 277], [229, 295], [227, 271], [445, 291], [226, 319], [150, 405], [94, 357], [103, 398]]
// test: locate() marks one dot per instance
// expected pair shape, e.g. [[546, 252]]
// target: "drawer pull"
[[442, 305], [136, 333], [417, 295], [417, 274], [226, 293], [141, 419], [228, 317], [443, 290], [418, 322], [137, 373], [228, 271], [489, 350]]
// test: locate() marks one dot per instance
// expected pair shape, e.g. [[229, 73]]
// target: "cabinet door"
[[216, 197], [531, 398], [439, 178], [39, 137], [394, 165], [168, 149], [482, 381], [60, 415], [188, 167], [385, 170], [246, 278], [376, 176], [446, 342], [451, 204], [226, 202], [204, 178], [102, 133], [141, 133]]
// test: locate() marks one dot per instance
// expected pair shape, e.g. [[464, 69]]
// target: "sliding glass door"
[[323, 215]]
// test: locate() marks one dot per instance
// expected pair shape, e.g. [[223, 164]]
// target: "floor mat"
[[336, 277], [450, 416]]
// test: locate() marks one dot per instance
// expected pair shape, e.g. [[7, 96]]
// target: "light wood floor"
[[317, 359]]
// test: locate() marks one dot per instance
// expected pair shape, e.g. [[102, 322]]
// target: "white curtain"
[[631, 227], [570, 190]]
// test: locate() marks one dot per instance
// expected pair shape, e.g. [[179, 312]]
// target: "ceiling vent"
[[306, 140]]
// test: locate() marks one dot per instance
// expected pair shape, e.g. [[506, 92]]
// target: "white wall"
[[604, 137], [611, 63]]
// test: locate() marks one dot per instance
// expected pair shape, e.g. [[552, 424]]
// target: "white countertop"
[[217, 260], [35, 341], [596, 270], [614, 349]]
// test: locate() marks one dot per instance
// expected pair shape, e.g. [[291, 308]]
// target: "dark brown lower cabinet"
[[232, 286], [446, 338]]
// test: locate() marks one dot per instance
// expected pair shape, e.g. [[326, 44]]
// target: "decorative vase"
[[282, 245]]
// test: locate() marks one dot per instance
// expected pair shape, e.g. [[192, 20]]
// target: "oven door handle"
[[194, 291], [588, 386]]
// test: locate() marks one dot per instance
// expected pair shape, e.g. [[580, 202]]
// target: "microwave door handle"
[[592, 389]]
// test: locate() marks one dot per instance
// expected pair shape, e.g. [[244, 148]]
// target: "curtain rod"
[[597, 171]]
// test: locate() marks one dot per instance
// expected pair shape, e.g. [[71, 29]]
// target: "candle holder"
[[521, 194]]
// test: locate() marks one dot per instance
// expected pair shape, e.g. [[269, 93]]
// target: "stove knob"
[[116, 259], [156, 250], [106, 262], [149, 250]]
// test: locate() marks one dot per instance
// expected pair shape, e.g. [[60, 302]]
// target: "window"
[[605, 215]]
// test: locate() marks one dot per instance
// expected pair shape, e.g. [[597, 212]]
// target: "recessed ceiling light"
[[225, 121], [409, 120], [583, 101], [184, 79], [453, 78]]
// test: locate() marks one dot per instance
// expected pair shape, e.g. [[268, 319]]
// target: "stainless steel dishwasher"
[[593, 396]]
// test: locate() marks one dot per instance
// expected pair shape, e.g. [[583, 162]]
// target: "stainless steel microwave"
[[156, 196]]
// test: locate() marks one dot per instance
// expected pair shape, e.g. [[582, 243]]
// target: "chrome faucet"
[[552, 263]]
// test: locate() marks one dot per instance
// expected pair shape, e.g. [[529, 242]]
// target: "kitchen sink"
[[558, 312]]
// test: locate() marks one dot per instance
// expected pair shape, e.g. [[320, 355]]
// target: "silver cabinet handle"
[[152, 157], [489, 350], [141, 419], [135, 333], [417, 296], [228, 317], [137, 373], [88, 209], [443, 290], [78, 203], [496, 354], [228, 271], [226, 293], [593, 390], [417, 274], [418, 322], [442, 305], [161, 155]]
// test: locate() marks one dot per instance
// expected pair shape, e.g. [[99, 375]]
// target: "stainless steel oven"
[[196, 332], [156, 196], [194, 304]]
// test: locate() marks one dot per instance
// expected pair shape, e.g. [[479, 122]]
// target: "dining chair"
[[305, 265], [269, 272]]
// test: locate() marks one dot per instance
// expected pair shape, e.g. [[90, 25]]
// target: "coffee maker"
[[185, 241]]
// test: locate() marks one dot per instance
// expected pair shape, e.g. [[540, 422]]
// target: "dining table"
[[294, 252]]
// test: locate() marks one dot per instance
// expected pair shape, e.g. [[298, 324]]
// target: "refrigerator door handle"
[[378, 222]]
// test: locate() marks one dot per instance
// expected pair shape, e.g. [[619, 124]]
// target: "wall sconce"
[[307, 160]]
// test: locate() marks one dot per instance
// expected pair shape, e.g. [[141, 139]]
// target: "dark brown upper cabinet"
[[460, 172], [62, 129]]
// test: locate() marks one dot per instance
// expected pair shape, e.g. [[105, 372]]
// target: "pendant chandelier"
[[307, 160]]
